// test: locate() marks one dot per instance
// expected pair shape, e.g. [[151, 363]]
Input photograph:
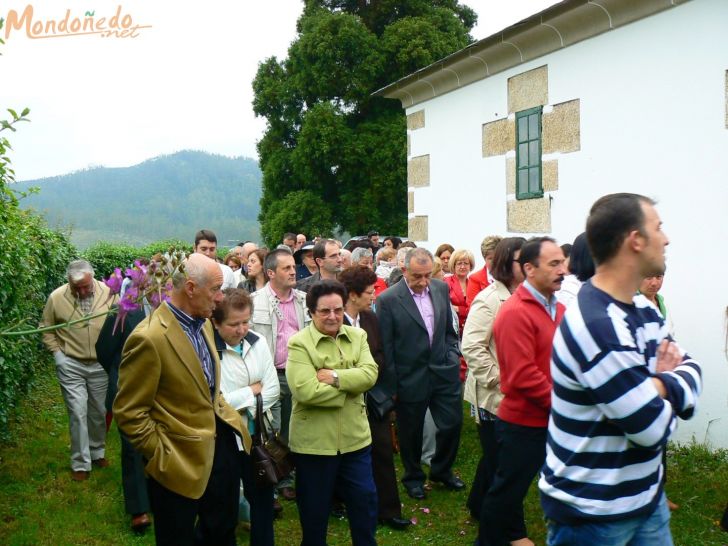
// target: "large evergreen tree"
[[334, 157]]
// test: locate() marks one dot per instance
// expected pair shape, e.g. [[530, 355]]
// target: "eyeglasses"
[[325, 312]]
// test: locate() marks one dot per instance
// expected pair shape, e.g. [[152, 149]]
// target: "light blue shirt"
[[550, 305]]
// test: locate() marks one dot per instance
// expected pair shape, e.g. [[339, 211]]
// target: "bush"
[[105, 257], [33, 260]]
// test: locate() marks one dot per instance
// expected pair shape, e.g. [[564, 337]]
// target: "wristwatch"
[[336, 378]]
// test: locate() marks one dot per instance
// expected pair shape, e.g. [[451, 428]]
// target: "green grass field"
[[41, 505]]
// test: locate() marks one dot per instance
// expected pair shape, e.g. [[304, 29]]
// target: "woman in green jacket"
[[329, 368]]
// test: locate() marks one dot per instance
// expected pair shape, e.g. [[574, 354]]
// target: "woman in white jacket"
[[246, 371]]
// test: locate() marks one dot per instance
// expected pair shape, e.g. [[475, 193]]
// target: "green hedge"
[[104, 257], [33, 260]]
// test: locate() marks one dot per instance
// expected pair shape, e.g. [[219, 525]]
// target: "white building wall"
[[653, 121]]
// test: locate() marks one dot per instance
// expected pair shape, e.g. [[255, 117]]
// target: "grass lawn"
[[41, 505]]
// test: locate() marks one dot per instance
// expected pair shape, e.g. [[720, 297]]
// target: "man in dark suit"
[[422, 356], [108, 350], [170, 407]]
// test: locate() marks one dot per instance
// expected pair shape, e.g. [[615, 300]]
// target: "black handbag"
[[272, 459], [379, 403]]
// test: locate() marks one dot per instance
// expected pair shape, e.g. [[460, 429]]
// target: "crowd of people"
[[565, 354]]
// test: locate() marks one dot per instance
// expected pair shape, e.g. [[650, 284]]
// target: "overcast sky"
[[184, 82]]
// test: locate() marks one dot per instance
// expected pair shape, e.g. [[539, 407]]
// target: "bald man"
[[169, 406]]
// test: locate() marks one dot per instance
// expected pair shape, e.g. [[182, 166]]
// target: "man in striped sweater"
[[620, 383]]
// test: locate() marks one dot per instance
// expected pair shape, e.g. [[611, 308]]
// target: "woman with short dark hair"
[[444, 251], [581, 269], [246, 370], [482, 386], [329, 369], [359, 283], [392, 242]]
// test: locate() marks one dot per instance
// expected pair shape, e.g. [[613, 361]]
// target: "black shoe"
[[396, 523], [453, 483], [416, 492]]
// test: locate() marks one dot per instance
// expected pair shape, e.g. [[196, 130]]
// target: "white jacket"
[[239, 371], [482, 386]]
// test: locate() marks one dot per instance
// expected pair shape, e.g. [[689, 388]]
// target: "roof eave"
[[557, 27]]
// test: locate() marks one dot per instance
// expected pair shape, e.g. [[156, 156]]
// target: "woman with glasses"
[[329, 369], [461, 264]]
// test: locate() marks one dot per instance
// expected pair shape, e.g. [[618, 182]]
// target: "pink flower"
[[130, 300], [137, 274], [156, 298], [114, 281]]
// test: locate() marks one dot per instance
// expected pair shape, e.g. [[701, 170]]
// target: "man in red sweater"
[[523, 332]]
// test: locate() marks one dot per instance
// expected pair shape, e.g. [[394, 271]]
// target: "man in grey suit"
[[421, 351]]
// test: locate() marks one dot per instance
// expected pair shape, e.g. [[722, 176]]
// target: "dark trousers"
[[281, 412], [486, 467], [521, 454], [447, 412], [211, 519], [133, 480], [385, 476], [260, 499], [350, 476]]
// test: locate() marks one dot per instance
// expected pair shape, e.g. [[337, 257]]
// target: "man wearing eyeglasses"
[[327, 255]]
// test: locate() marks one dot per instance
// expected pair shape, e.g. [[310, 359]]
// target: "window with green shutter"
[[528, 153]]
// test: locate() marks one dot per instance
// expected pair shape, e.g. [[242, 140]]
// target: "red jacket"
[[476, 282], [523, 332], [379, 286], [457, 298]]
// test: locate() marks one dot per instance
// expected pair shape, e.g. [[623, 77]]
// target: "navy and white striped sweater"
[[608, 425]]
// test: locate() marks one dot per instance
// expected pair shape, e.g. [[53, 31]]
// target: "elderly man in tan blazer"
[[169, 406]]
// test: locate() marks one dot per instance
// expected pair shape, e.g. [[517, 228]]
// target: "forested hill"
[[167, 197]]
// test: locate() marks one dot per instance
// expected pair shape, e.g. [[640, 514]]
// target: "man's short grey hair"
[[419, 255], [192, 270], [78, 269], [358, 253]]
